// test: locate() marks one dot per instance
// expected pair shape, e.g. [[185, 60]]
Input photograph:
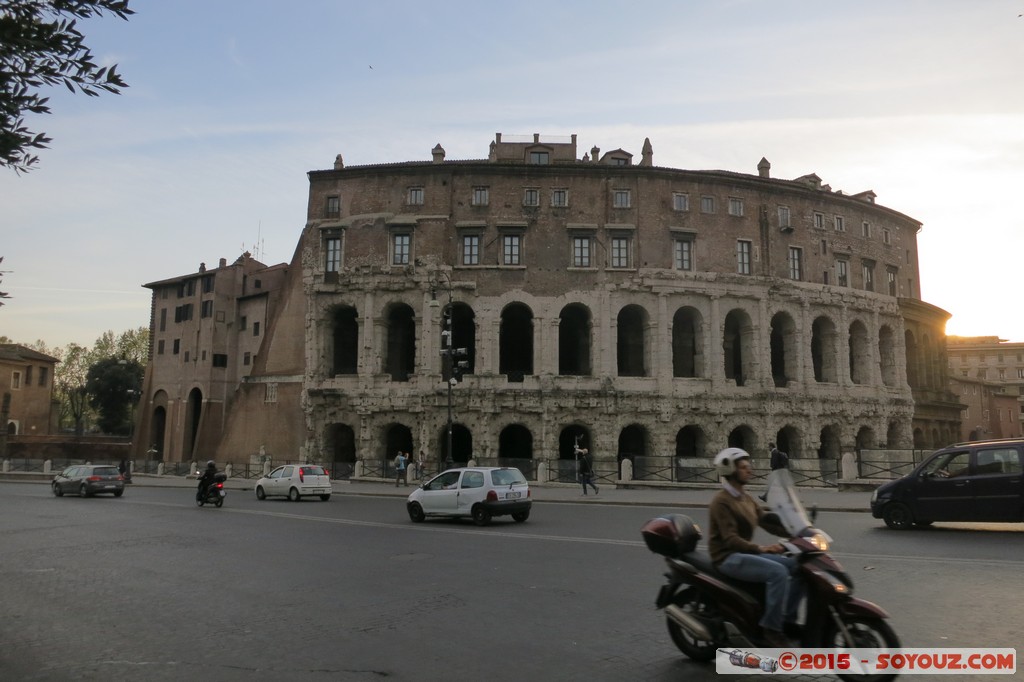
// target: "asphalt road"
[[149, 587]]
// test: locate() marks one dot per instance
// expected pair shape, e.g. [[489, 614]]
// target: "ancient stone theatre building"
[[645, 312]]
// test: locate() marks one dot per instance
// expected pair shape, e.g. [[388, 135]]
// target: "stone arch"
[[158, 427], [193, 417], [919, 442], [400, 352], [463, 337], [860, 353], [783, 344], [567, 441], [633, 442], [340, 449], [789, 441], [343, 341], [893, 437], [738, 346], [830, 445], [687, 342], [396, 437], [913, 361], [462, 445], [574, 324], [515, 442], [691, 441], [887, 355], [515, 345], [824, 354], [631, 337], [743, 437], [866, 439]]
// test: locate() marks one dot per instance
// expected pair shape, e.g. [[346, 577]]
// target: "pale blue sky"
[[232, 102]]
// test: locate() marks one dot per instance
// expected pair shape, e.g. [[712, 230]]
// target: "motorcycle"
[[215, 492], [706, 611]]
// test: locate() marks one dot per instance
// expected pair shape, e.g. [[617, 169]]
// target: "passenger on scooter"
[[206, 479], [732, 517]]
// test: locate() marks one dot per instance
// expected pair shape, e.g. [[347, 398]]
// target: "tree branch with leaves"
[[41, 45]]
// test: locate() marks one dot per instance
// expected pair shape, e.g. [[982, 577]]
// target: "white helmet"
[[725, 461]]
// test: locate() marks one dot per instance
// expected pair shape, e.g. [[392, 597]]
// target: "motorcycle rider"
[[732, 517], [205, 480]]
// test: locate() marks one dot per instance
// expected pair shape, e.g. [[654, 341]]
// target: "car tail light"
[[492, 496], [327, 473], [302, 475], [93, 479], [220, 485], [528, 492]]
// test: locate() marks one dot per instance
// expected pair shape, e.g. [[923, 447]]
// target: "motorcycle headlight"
[[820, 541]]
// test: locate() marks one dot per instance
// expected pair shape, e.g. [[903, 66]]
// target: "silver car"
[[295, 481], [89, 479]]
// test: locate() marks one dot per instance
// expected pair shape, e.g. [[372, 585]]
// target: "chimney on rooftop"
[[339, 162], [763, 167], [438, 153], [223, 262]]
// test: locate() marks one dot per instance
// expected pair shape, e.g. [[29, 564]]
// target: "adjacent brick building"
[[646, 312], [26, 383]]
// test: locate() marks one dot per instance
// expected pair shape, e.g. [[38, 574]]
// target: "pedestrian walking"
[[586, 463], [400, 473], [777, 459], [421, 463]]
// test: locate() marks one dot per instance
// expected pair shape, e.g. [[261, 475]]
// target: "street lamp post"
[[450, 364]]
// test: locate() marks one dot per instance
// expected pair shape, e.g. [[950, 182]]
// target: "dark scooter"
[[706, 610], [215, 492]]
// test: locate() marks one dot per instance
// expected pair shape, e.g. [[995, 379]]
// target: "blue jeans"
[[587, 479], [782, 594]]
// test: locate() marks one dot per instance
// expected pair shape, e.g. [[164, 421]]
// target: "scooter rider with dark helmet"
[[733, 516], [206, 479]]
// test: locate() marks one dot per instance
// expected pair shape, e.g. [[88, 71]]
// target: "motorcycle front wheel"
[[867, 633], [697, 649]]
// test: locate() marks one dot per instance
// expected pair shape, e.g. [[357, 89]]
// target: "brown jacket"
[[731, 524]]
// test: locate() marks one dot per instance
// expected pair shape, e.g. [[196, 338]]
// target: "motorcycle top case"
[[672, 535], [220, 477]]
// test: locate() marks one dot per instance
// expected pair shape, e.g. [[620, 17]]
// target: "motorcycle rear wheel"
[[867, 633], [698, 650]]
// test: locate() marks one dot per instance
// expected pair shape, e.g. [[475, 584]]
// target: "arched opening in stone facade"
[[887, 355], [514, 442], [691, 441], [919, 443], [743, 437], [631, 348], [787, 439], [860, 354], [158, 427], [913, 362], [936, 440], [687, 358], [829, 443], [866, 439], [824, 356], [893, 437], [464, 335], [927, 362], [574, 340], [633, 442], [737, 346], [515, 352], [344, 340], [193, 416], [400, 354], [462, 445], [340, 449], [396, 437], [783, 349]]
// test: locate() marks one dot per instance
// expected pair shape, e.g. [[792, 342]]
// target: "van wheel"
[[416, 512], [897, 516], [293, 495], [519, 517], [57, 491], [83, 491], [325, 497], [260, 493]]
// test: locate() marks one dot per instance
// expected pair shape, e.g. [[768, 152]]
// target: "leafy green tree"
[[40, 45], [70, 385], [113, 387]]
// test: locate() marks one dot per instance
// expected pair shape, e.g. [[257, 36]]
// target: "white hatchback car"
[[477, 492], [295, 481]]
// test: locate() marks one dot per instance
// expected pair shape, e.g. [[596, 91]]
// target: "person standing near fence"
[[587, 470], [421, 464], [400, 475]]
